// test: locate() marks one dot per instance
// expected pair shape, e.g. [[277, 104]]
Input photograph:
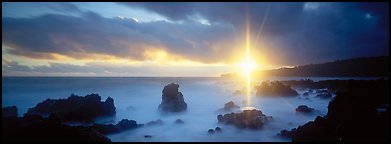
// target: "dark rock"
[[11, 111], [211, 131], [253, 119], [179, 121], [35, 128], [305, 94], [172, 99], [147, 136], [230, 105], [218, 129], [304, 108], [121, 126], [351, 116], [275, 88], [76, 108], [156, 122]]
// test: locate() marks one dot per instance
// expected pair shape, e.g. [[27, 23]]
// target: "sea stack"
[[172, 99]]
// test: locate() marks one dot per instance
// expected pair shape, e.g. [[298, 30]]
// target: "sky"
[[184, 38]]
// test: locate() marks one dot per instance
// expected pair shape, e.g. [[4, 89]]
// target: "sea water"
[[138, 98]]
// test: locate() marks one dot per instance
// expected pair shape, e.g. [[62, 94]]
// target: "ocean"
[[138, 98]]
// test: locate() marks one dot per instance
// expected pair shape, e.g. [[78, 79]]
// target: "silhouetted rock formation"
[[122, 125], [353, 115], [76, 108], [172, 99], [11, 111], [230, 105], [35, 128], [275, 88], [253, 119], [304, 108]]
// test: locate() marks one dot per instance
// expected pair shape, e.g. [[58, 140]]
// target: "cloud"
[[79, 37], [292, 34]]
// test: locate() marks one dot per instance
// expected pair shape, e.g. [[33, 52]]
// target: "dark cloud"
[[78, 37], [293, 33]]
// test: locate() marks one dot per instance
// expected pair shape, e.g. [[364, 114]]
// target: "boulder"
[[211, 131], [252, 119], [121, 126], [172, 99], [218, 129], [11, 111], [76, 108], [304, 109], [147, 136]]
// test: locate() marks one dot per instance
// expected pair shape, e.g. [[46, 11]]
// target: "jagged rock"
[[156, 122], [253, 119], [76, 108], [304, 108], [230, 105], [147, 136], [305, 94], [179, 121], [11, 111], [172, 99], [275, 88]]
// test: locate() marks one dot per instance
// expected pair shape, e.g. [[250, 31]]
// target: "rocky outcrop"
[[352, 116], [172, 99], [275, 88], [76, 108], [230, 105], [11, 111], [304, 109], [324, 94], [252, 119], [121, 126], [35, 128]]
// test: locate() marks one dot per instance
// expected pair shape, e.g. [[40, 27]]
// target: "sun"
[[247, 66]]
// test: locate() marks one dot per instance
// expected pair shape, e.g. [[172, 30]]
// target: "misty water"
[[138, 99]]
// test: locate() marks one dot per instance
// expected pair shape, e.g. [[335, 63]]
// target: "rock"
[[179, 121], [76, 108], [351, 116], [275, 88], [11, 111], [252, 119], [218, 129], [147, 136], [35, 128], [211, 131], [305, 94], [230, 105], [172, 99], [304, 108], [121, 126], [156, 122]]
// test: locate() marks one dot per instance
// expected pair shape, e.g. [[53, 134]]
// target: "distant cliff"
[[356, 67]]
